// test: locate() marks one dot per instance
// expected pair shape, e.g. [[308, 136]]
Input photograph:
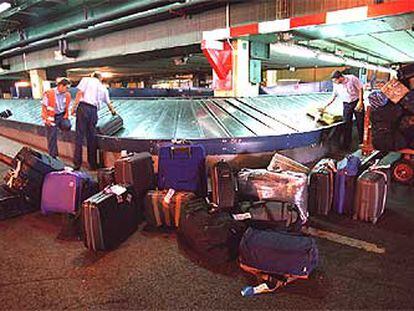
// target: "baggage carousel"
[[222, 125]]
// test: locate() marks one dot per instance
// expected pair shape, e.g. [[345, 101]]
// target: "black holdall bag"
[[109, 125], [223, 184], [13, 204], [214, 236]]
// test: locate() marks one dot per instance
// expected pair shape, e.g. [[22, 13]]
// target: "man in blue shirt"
[[55, 113]]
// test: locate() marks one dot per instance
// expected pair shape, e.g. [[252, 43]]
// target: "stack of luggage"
[[392, 113]]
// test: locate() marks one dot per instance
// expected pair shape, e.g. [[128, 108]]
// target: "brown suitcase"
[[137, 170], [159, 212], [395, 90], [371, 195]]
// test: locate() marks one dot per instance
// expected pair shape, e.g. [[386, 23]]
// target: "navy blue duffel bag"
[[275, 255]]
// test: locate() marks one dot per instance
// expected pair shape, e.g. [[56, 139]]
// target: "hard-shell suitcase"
[[345, 184], [214, 236], [64, 191], [106, 177], [109, 124], [281, 163], [137, 170], [109, 218], [371, 195], [13, 204], [223, 185], [182, 167], [289, 187], [278, 253], [395, 90], [321, 187], [161, 209]]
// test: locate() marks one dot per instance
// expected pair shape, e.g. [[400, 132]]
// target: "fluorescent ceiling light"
[[4, 6], [329, 58], [293, 50]]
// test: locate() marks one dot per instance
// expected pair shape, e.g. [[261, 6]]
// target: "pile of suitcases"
[[392, 112], [255, 215]]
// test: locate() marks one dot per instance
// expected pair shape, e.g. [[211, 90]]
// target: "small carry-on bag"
[[223, 186], [182, 167], [64, 191], [137, 170], [276, 256], [106, 177], [213, 236], [109, 124], [371, 194], [109, 218], [164, 208], [395, 90], [321, 187], [345, 184], [289, 187], [281, 163], [408, 102]]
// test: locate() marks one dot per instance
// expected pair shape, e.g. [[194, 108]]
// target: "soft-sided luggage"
[[163, 209], [137, 170], [64, 191], [13, 204], [182, 167], [395, 90], [406, 72], [282, 255], [109, 124], [377, 99], [223, 185], [384, 140], [288, 187], [270, 214], [28, 172], [109, 217], [407, 127], [214, 237], [326, 117], [106, 177], [281, 163], [371, 194], [345, 184], [321, 187], [408, 102]]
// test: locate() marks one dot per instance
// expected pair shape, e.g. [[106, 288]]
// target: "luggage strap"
[[14, 174]]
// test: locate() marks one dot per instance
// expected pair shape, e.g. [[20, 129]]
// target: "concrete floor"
[[151, 271]]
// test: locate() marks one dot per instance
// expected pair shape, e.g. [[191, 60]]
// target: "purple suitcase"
[[64, 192]]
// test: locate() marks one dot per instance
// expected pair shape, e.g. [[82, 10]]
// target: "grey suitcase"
[[371, 195]]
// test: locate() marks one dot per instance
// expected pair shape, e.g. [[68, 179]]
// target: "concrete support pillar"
[[271, 77], [241, 85], [37, 77]]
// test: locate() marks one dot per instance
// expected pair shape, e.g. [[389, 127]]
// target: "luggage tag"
[[117, 190], [169, 195], [240, 217]]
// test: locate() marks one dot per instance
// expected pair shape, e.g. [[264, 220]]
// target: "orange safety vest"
[[48, 112]]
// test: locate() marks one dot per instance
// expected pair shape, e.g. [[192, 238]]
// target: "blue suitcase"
[[64, 192], [182, 167], [345, 184]]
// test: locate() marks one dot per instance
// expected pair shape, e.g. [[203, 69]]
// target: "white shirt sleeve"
[[357, 82], [105, 95], [82, 85], [335, 90]]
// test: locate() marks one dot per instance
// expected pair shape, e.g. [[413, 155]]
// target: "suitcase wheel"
[[403, 172]]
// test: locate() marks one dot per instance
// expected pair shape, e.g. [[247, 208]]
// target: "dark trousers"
[[86, 119], [52, 132], [348, 113]]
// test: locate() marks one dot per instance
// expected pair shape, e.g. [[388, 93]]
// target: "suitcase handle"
[[180, 149]]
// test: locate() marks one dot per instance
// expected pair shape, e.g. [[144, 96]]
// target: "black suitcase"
[[106, 177], [109, 124], [40, 162], [408, 102], [321, 187], [406, 72], [223, 185], [108, 218], [214, 237], [12, 204], [136, 170]]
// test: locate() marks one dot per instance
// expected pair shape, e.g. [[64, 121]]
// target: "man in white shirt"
[[91, 93], [350, 91]]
